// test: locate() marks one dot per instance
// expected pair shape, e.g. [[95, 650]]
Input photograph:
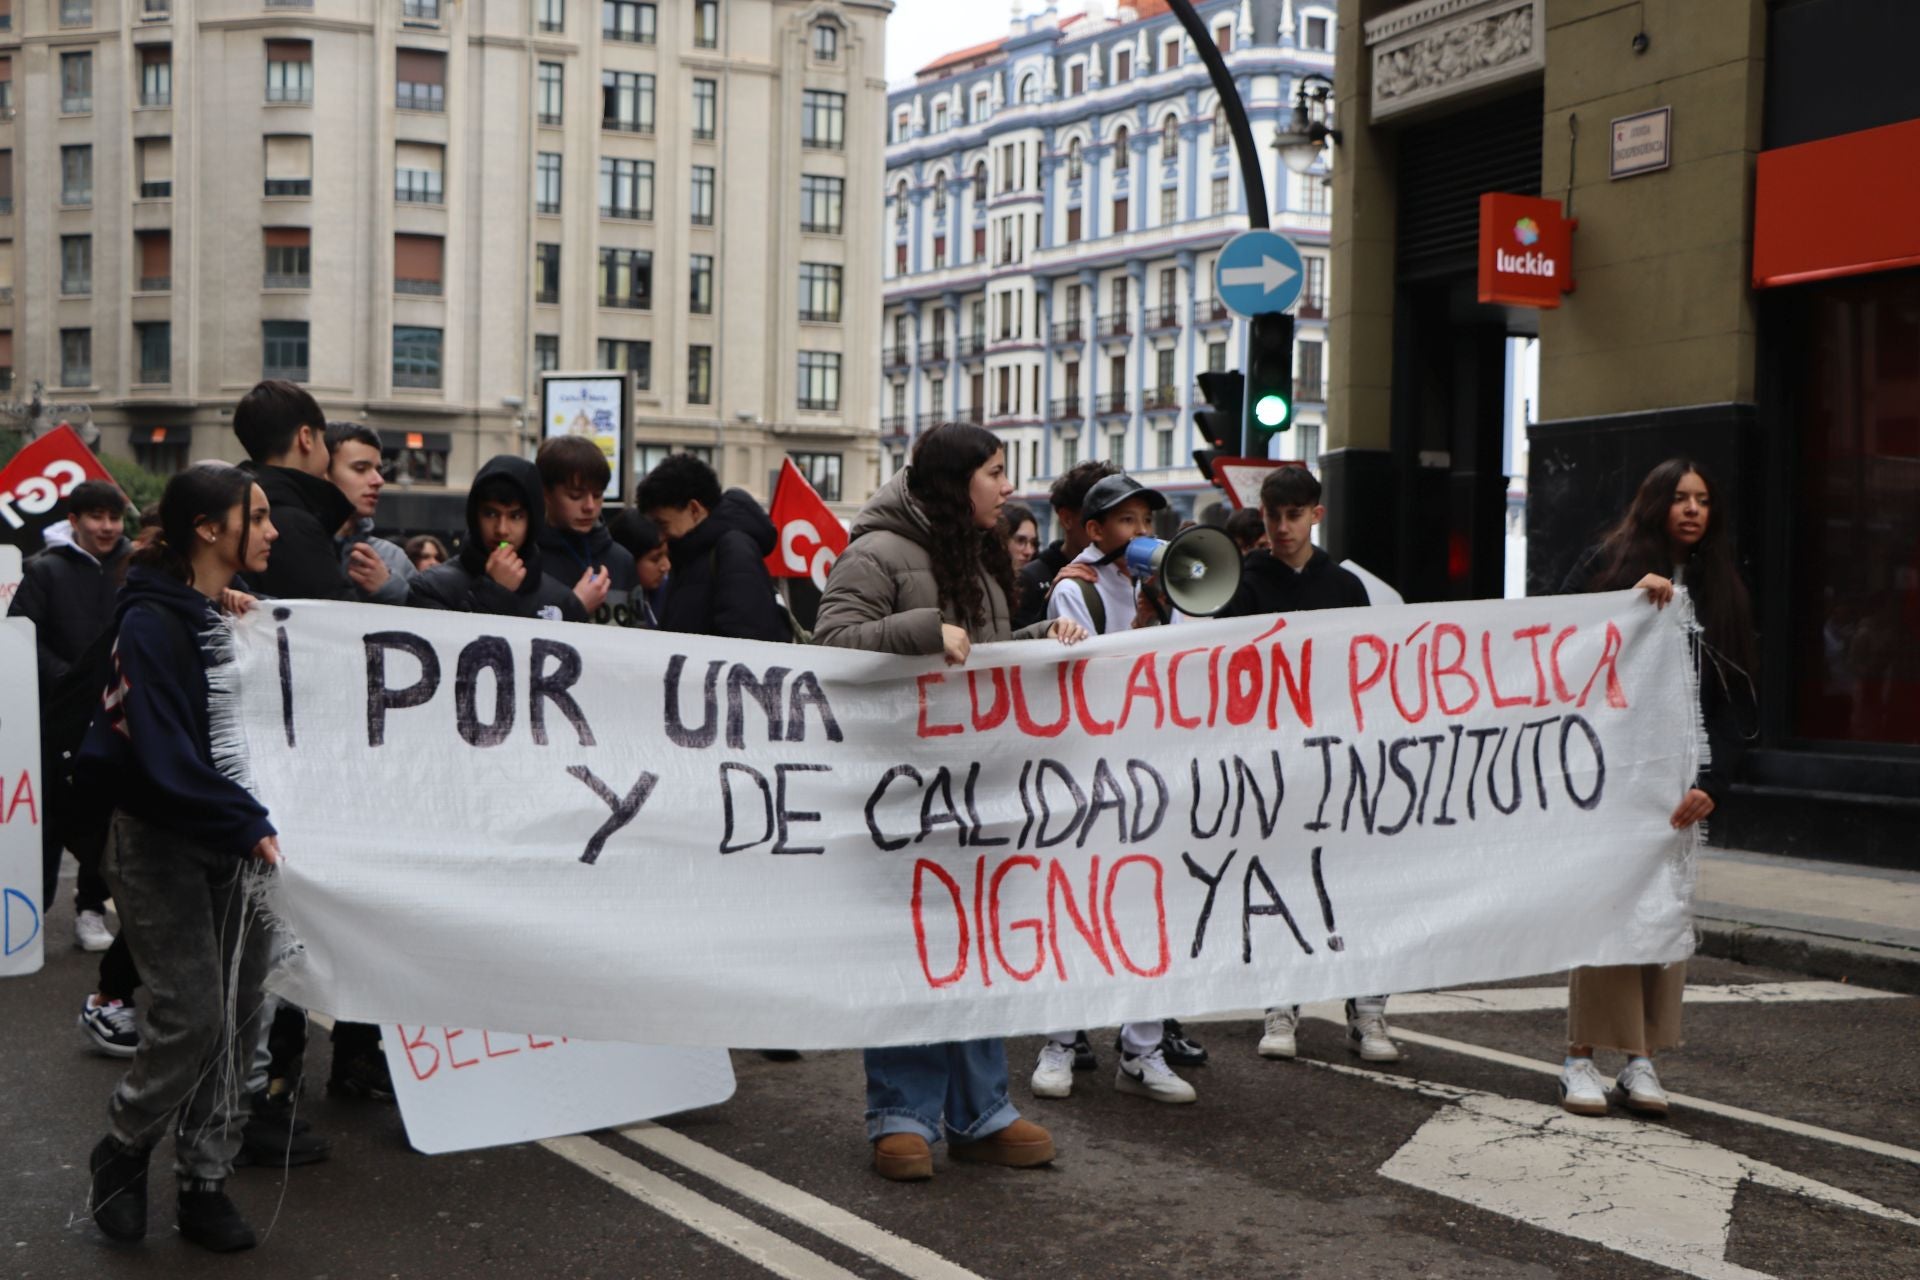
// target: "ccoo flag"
[[40, 475], [811, 536]]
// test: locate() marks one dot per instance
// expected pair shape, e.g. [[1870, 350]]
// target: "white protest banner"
[[504, 823], [459, 1089], [22, 946]]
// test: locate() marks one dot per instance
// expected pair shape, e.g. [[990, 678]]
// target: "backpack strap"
[[1096, 607]]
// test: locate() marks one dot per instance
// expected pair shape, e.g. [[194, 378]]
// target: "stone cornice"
[[1444, 49]]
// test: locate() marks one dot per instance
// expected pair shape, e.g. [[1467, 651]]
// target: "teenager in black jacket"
[[285, 436], [500, 568], [718, 544]]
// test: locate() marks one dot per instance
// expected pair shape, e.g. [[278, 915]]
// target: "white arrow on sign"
[[1269, 275]]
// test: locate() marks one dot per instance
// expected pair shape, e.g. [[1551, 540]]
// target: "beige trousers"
[[1634, 1008]]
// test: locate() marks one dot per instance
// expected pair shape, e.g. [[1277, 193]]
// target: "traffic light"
[[1222, 424], [1269, 380]]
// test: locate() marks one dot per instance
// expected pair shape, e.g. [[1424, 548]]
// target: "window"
[[289, 71], [551, 89], [546, 352], [156, 260], [980, 183], [626, 279], [822, 471], [289, 258], [706, 109], [982, 103], [1070, 451], [820, 290], [1313, 193], [1170, 53], [156, 75], [6, 77], [979, 244], [1222, 132], [76, 82], [820, 380], [76, 175], [700, 284], [647, 456], [1119, 297], [546, 182], [553, 15], [546, 273], [416, 173], [900, 259], [1223, 37], [1117, 449], [1163, 448], [699, 374], [1169, 140], [822, 201], [626, 355], [939, 252], [826, 42], [1119, 215], [1316, 36], [1029, 89], [626, 101], [155, 344], [1306, 383], [626, 189], [157, 453], [702, 203], [1163, 375], [1169, 206], [419, 264], [420, 10], [155, 158], [76, 265], [900, 204], [706, 24], [76, 357], [289, 164], [1313, 293], [902, 125], [1221, 200], [823, 119], [416, 356], [1216, 357], [420, 80], [1075, 164], [1122, 66], [940, 117], [1121, 158], [626, 20], [425, 460], [1077, 79], [76, 13], [1073, 226], [939, 195], [283, 349]]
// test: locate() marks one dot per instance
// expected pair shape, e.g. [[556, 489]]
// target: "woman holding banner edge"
[[927, 572], [1675, 533]]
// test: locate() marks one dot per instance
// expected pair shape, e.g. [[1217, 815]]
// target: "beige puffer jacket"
[[881, 594]]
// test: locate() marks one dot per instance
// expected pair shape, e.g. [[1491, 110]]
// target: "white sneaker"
[[1639, 1088], [1282, 1037], [90, 932], [1149, 1076], [1367, 1036], [1581, 1090], [1053, 1074]]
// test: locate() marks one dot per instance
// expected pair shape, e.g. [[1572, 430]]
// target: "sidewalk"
[[1827, 919]]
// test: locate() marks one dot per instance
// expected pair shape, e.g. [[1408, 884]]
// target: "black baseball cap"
[[1114, 490]]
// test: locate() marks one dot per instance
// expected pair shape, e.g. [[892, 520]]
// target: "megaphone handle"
[[1151, 590]]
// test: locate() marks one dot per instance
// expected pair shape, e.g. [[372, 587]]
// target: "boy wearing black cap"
[[1097, 591]]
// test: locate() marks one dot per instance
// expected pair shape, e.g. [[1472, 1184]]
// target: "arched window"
[[980, 183], [940, 195], [1029, 89], [900, 203], [1221, 134], [1120, 148], [1073, 161], [1169, 139]]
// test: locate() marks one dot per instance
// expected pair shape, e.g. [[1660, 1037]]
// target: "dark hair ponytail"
[[196, 494], [940, 478]]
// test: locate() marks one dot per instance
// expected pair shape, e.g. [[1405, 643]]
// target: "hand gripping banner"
[[670, 839]]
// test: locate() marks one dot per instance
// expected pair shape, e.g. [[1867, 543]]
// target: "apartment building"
[[1055, 201], [416, 206]]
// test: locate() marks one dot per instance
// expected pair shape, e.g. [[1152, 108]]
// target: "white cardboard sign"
[[22, 941], [460, 1089]]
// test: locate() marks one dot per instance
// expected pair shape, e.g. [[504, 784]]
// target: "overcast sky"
[[921, 30]]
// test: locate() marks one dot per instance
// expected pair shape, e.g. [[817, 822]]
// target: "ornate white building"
[[1055, 202]]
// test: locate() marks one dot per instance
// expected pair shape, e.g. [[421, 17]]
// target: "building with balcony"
[[1055, 200], [416, 206]]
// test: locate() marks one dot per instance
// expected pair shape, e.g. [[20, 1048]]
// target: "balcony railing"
[[6, 206], [287, 280], [1110, 403], [1164, 316], [1312, 308], [971, 344], [1162, 398], [931, 352], [895, 357], [1067, 409], [976, 415], [289, 4], [1116, 326], [429, 288], [626, 302], [1211, 309], [156, 97], [1074, 330], [156, 377], [155, 284], [928, 421], [289, 186], [412, 96], [156, 190], [1314, 392]]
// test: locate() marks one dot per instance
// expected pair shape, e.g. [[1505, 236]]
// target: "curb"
[[1867, 964]]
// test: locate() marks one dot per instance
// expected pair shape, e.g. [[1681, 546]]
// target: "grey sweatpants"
[[202, 950]]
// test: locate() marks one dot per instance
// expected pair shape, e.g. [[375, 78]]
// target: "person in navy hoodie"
[[181, 852]]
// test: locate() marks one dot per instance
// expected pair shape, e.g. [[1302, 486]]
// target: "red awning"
[[1841, 206]]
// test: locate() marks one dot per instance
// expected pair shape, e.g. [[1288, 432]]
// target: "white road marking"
[[1645, 1190], [717, 1222], [1536, 999], [830, 1220]]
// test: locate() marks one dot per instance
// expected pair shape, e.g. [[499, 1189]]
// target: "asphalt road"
[[1801, 1159]]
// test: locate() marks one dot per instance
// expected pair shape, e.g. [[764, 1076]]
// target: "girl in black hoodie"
[[183, 838]]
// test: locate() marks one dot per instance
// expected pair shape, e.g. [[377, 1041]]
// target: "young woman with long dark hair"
[[926, 571], [178, 853], [1676, 532]]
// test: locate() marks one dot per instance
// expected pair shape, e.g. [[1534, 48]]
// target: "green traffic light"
[[1271, 411]]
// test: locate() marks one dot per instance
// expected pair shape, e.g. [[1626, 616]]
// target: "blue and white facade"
[[1055, 202]]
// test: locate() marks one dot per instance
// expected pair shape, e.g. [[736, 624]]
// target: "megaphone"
[[1199, 570]]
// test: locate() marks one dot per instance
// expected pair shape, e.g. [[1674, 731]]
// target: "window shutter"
[[289, 51], [289, 237], [156, 255], [418, 155], [6, 335], [156, 160], [289, 156], [420, 66], [418, 257]]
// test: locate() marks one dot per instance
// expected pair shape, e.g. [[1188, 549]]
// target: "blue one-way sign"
[[1258, 272]]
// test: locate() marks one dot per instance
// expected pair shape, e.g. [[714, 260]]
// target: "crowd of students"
[[938, 561]]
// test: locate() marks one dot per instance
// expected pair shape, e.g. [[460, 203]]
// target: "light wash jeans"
[[957, 1090]]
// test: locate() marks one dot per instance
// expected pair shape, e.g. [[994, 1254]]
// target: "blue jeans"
[[958, 1089]]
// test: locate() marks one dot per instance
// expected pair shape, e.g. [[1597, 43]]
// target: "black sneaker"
[[277, 1139], [1180, 1050], [363, 1076], [119, 1197], [209, 1219], [1083, 1059]]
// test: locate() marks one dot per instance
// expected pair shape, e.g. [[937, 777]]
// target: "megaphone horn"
[[1199, 570]]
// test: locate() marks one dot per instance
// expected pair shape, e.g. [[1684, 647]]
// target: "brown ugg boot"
[[903, 1157], [1021, 1145]]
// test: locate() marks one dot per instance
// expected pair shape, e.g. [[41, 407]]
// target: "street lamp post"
[[1307, 134]]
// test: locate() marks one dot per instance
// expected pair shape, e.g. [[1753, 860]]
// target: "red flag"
[[39, 476], [811, 536]]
